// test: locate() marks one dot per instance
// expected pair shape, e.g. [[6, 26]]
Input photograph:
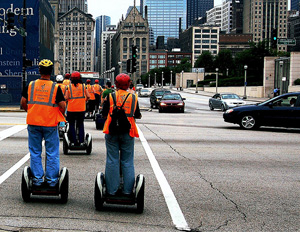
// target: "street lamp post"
[[245, 82], [112, 75], [149, 81], [162, 79], [197, 81], [154, 80], [181, 87], [171, 80], [227, 72], [217, 77]]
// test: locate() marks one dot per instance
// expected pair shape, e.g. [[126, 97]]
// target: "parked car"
[[225, 101], [144, 92], [156, 95], [280, 111], [171, 102]]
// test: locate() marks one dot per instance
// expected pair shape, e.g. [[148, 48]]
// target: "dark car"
[[280, 111], [171, 102], [156, 95]]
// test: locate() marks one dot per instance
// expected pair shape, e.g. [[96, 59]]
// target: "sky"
[[114, 8]]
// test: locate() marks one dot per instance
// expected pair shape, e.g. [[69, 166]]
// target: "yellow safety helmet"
[[46, 63]]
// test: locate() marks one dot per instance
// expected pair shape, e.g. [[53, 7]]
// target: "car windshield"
[[144, 90], [160, 93], [230, 96], [171, 97]]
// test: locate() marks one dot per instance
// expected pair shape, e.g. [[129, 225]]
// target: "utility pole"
[[133, 41]]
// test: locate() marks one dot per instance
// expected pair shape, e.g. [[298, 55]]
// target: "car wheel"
[[248, 122], [211, 107], [160, 110], [223, 108]]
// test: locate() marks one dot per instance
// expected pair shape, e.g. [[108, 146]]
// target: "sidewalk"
[[210, 94]]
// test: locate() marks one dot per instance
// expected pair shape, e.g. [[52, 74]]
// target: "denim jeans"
[[119, 147], [76, 118], [35, 136]]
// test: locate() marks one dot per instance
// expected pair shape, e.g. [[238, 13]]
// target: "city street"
[[202, 174]]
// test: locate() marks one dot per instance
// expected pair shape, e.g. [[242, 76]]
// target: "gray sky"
[[115, 8], [112, 8]]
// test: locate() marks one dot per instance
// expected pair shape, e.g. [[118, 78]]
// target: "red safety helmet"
[[122, 81], [97, 81], [67, 75], [88, 81], [75, 76]]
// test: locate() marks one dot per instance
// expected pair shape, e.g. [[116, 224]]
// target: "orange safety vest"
[[97, 89], [66, 82], [42, 109], [76, 101], [91, 91], [63, 88], [129, 107]]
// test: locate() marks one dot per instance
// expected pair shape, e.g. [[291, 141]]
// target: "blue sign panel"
[[11, 42]]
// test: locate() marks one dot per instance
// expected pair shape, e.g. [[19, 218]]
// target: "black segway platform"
[[87, 145], [61, 189], [137, 198]]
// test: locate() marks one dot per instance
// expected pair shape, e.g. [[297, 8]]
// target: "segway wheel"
[[65, 146], [64, 185], [140, 192], [25, 184], [90, 144], [99, 191]]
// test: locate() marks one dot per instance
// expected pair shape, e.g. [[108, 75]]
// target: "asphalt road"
[[222, 178]]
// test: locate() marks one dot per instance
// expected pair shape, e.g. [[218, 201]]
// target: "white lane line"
[[14, 168], [3, 135], [10, 131], [173, 206]]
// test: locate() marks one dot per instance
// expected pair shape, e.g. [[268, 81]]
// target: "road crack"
[[167, 143]]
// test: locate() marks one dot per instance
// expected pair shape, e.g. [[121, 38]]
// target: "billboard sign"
[[11, 42]]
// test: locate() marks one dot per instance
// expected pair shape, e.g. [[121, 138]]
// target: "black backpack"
[[119, 122]]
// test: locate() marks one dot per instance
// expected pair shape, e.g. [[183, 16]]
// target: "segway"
[[62, 188], [100, 195], [87, 145]]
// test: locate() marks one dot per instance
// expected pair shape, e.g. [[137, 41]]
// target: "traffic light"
[[10, 20], [134, 58], [128, 66], [274, 38]]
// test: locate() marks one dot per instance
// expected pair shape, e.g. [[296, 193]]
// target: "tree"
[[224, 61], [205, 60]]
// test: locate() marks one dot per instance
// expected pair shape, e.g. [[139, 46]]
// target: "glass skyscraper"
[[163, 17], [197, 8]]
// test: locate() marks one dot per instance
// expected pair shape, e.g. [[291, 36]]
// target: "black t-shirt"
[[59, 95]]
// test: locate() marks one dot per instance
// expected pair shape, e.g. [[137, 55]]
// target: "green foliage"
[[205, 60], [297, 82]]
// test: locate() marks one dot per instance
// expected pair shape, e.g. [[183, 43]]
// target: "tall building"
[[197, 39], [125, 38], [262, 16], [163, 17], [295, 5], [101, 23], [237, 16], [76, 41], [221, 15], [197, 9], [66, 5], [105, 51]]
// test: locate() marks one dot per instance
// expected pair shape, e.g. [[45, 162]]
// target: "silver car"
[[225, 101]]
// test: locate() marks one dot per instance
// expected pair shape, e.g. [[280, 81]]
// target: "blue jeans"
[[35, 136], [76, 118], [119, 147]]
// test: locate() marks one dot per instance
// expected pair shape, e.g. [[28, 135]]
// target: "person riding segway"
[[62, 125], [76, 95], [117, 185], [44, 103], [91, 101]]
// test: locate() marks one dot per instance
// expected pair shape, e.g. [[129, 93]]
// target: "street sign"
[[285, 41]]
